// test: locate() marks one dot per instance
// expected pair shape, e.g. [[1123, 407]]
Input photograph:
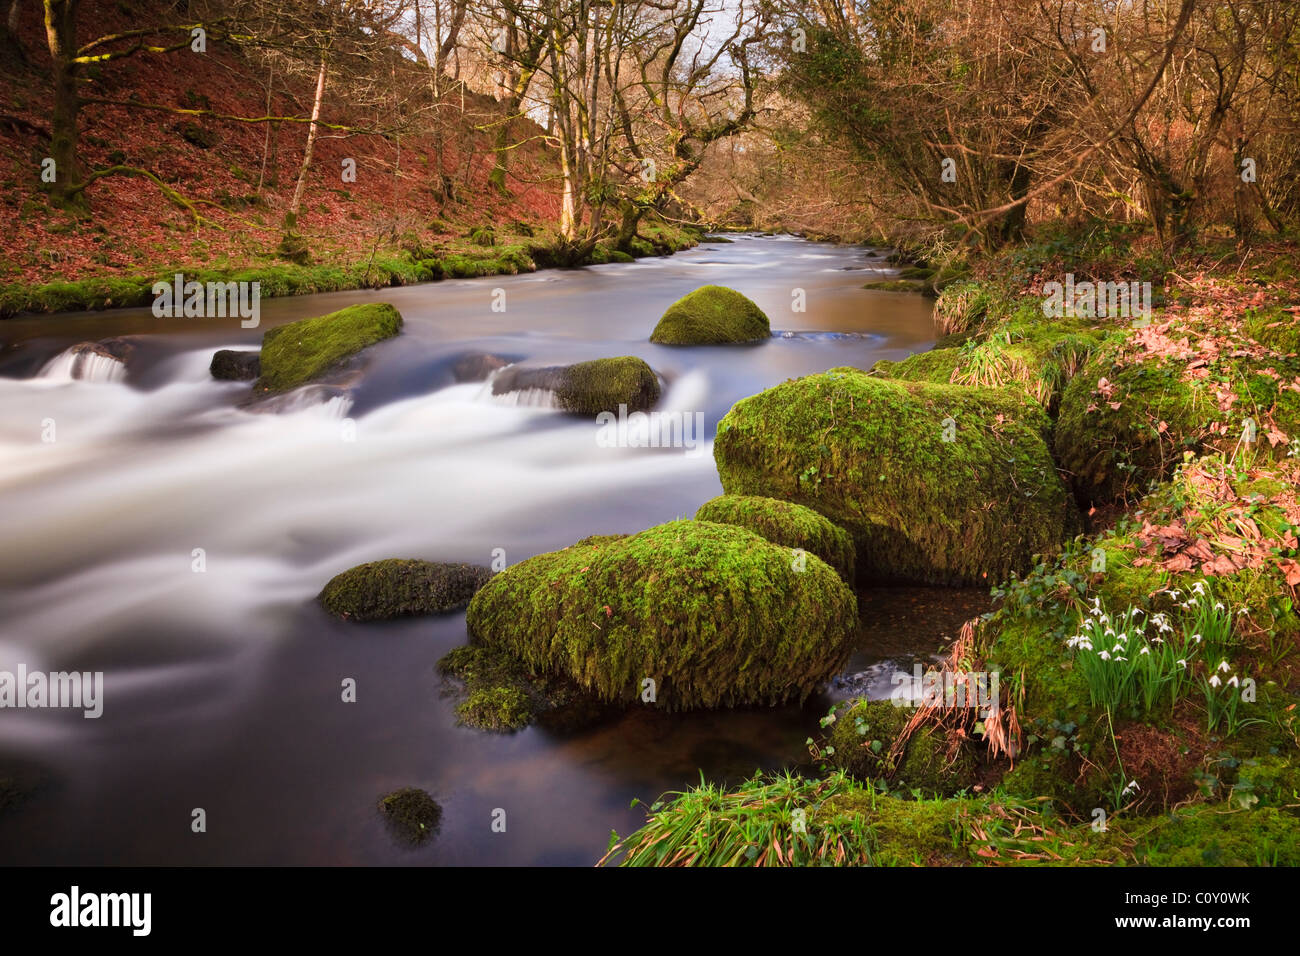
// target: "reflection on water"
[[223, 685]]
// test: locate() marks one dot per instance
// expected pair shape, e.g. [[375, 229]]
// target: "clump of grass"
[[763, 822]]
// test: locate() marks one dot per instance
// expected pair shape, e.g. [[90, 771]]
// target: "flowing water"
[[223, 687]]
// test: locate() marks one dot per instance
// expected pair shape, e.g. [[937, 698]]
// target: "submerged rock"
[[232, 366], [785, 523], [411, 814], [504, 694], [714, 615], [588, 388], [712, 315], [304, 351], [397, 587], [938, 484], [477, 366]]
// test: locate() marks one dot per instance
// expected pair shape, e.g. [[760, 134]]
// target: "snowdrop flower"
[[1214, 681], [1232, 681], [1218, 606], [1196, 638], [1223, 666], [1241, 611], [1157, 640], [1104, 656], [1121, 659], [1132, 785], [1144, 651], [1117, 649], [1182, 663], [1198, 587]]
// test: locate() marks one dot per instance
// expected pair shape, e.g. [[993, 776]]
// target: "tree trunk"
[[291, 218], [61, 34]]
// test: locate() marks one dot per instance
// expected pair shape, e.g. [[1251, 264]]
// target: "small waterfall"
[[526, 398], [83, 363]]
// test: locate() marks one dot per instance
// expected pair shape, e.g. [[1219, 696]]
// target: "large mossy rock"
[[712, 315], [939, 484], [303, 351], [400, 587], [864, 733], [588, 388], [785, 523], [715, 615]]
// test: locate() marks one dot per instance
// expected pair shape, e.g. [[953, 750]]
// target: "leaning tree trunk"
[[61, 34], [291, 218]]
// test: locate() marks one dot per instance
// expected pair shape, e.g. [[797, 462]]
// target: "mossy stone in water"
[[589, 388], [711, 315], [714, 614], [863, 734], [302, 351], [411, 814], [503, 694], [940, 484], [785, 523], [399, 587]]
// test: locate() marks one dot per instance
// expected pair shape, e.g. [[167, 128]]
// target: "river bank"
[[1149, 667]]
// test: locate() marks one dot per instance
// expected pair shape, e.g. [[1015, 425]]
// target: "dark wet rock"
[[477, 366], [232, 366]]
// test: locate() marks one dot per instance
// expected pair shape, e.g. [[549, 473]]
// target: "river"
[[222, 687]]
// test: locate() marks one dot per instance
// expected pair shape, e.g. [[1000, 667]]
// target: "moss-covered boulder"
[[398, 587], [411, 814], [785, 523], [939, 484], [303, 351], [712, 315], [864, 732], [714, 614], [588, 388]]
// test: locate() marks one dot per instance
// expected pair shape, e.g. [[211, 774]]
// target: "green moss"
[[1114, 452], [711, 315], [496, 708], [1222, 836], [785, 523], [396, 587], [871, 455], [936, 366], [715, 615], [483, 236], [894, 285], [865, 730], [589, 388], [299, 352], [903, 832], [411, 814], [504, 694]]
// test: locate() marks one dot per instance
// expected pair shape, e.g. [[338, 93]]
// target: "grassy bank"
[[482, 251], [1148, 666]]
